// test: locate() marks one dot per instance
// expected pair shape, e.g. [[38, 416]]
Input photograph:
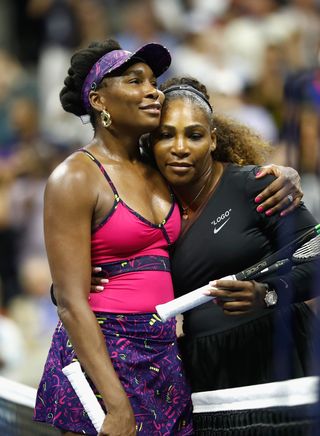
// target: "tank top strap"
[[102, 169]]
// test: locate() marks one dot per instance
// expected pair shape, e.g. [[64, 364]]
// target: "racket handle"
[[186, 302], [85, 394], [182, 304]]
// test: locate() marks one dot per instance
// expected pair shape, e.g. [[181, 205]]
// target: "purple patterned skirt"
[[144, 353]]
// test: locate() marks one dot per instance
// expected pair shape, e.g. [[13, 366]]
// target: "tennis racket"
[[85, 394], [304, 248]]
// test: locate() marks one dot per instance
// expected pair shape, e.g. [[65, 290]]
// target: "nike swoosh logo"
[[217, 229]]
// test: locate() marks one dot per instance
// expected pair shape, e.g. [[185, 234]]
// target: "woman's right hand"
[[120, 422], [97, 280]]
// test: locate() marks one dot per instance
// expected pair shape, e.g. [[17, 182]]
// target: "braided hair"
[[80, 64]]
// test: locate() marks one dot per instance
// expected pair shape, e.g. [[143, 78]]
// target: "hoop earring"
[[105, 118]]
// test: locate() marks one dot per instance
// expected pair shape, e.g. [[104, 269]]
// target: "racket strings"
[[308, 250]]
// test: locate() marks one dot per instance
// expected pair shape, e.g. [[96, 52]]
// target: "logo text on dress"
[[221, 221]]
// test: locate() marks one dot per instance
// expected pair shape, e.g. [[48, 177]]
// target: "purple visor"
[[155, 55]]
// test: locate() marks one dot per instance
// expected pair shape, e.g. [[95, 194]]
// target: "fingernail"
[[259, 209], [104, 281], [258, 199], [269, 212], [206, 293], [258, 173], [97, 269], [99, 288], [282, 214], [213, 283]]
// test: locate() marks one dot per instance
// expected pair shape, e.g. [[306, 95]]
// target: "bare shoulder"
[[73, 169], [72, 179]]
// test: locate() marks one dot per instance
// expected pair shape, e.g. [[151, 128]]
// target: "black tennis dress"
[[222, 351]]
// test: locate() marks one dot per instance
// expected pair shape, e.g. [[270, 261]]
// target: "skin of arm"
[[70, 201]]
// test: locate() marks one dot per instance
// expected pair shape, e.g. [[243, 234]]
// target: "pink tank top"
[[134, 255]]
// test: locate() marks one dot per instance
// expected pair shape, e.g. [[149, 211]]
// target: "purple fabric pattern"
[[144, 353], [141, 263]]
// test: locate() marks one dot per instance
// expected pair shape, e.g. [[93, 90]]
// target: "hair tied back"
[[188, 88]]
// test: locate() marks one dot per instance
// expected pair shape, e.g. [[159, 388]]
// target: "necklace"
[[185, 209], [219, 168]]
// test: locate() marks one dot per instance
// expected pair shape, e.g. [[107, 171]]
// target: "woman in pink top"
[[107, 206]]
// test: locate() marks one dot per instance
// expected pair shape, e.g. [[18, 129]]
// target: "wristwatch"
[[271, 297]]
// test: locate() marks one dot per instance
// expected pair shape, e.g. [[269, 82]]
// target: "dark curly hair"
[[236, 143], [80, 64]]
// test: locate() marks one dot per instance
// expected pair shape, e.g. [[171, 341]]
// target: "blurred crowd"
[[260, 59]]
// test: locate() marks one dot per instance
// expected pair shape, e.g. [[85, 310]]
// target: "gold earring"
[[105, 118]]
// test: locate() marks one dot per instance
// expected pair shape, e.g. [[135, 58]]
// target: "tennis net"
[[16, 410], [288, 408]]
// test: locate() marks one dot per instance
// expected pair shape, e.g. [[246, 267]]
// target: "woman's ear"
[[96, 101], [213, 139]]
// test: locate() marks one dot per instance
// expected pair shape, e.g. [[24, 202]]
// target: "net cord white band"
[[285, 393], [186, 302], [17, 392], [85, 394]]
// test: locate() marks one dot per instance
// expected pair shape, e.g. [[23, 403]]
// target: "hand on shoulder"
[[283, 195]]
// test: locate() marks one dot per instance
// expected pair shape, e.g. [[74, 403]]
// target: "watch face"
[[271, 298]]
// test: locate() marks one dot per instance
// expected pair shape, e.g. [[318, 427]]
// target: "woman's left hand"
[[283, 194], [97, 280], [238, 297]]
